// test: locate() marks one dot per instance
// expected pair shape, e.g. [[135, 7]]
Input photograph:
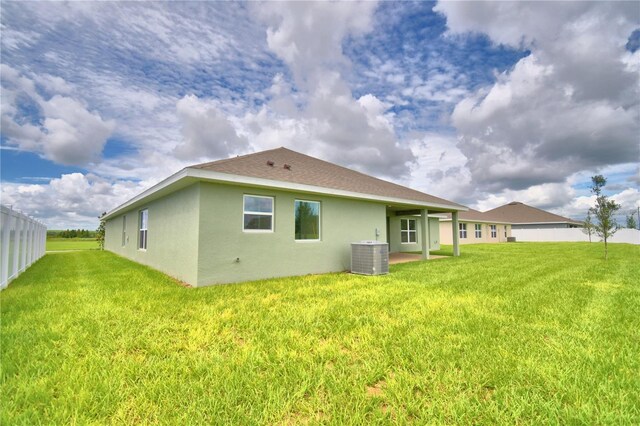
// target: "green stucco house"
[[269, 214]]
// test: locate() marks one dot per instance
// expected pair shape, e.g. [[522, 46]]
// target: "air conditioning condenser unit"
[[370, 258]]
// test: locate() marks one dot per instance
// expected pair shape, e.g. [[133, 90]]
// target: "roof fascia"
[[162, 185]]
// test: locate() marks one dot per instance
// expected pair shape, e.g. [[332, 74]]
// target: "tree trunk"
[[605, 249]]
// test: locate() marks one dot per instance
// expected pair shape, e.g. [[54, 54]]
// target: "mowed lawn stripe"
[[511, 333]]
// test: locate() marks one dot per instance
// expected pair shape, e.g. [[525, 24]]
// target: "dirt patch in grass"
[[377, 389]]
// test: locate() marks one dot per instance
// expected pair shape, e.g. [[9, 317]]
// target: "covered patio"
[[421, 236]]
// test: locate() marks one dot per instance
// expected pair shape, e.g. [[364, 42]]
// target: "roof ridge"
[[352, 170], [282, 148], [225, 160]]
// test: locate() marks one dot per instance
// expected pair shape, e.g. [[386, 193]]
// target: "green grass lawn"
[[57, 244], [525, 333]]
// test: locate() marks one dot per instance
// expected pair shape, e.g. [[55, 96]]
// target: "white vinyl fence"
[[22, 243], [630, 236]]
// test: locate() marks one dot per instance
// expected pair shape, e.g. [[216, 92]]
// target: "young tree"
[[631, 221], [604, 211], [100, 231], [588, 227]]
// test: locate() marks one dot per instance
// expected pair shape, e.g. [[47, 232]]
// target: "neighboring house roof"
[[285, 169], [520, 213], [476, 216]]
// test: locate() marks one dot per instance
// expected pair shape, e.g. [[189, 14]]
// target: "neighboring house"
[[522, 216], [475, 227], [269, 214]]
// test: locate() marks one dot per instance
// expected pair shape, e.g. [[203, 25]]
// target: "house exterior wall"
[[395, 242], [446, 237], [172, 236], [544, 226], [275, 254]]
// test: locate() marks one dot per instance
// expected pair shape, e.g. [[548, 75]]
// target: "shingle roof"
[[303, 169], [477, 216], [516, 212]]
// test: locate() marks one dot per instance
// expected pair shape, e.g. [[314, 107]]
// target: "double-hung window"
[[144, 223], [463, 230], [494, 231], [505, 231], [307, 220], [478, 230], [257, 213], [408, 232]]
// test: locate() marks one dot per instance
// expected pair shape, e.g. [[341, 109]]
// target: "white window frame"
[[462, 229], [272, 214], [494, 231], [145, 230], [505, 231], [319, 221], [124, 230], [478, 230], [409, 231]]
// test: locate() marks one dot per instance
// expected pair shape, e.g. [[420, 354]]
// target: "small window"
[[408, 233], [144, 223], [463, 230], [505, 231], [478, 230], [307, 220], [124, 230], [257, 213], [494, 231]]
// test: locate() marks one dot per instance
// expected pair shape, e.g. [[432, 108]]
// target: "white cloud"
[[572, 104], [72, 134], [73, 198], [54, 84], [547, 196], [206, 131], [67, 132], [440, 167], [308, 36], [324, 119], [629, 199]]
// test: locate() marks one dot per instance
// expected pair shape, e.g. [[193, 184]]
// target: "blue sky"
[[480, 103]]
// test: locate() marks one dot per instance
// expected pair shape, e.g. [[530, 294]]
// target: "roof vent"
[[270, 163], [288, 167]]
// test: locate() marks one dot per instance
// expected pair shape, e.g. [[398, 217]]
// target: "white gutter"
[[211, 176], [147, 193]]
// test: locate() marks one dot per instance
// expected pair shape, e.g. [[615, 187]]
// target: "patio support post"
[[456, 233], [424, 232]]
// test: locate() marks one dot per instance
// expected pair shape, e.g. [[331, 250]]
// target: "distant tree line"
[[71, 233]]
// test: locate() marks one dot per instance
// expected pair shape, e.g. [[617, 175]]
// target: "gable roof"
[[285, 169], [476, 216], [520, 213], [306, 170]]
